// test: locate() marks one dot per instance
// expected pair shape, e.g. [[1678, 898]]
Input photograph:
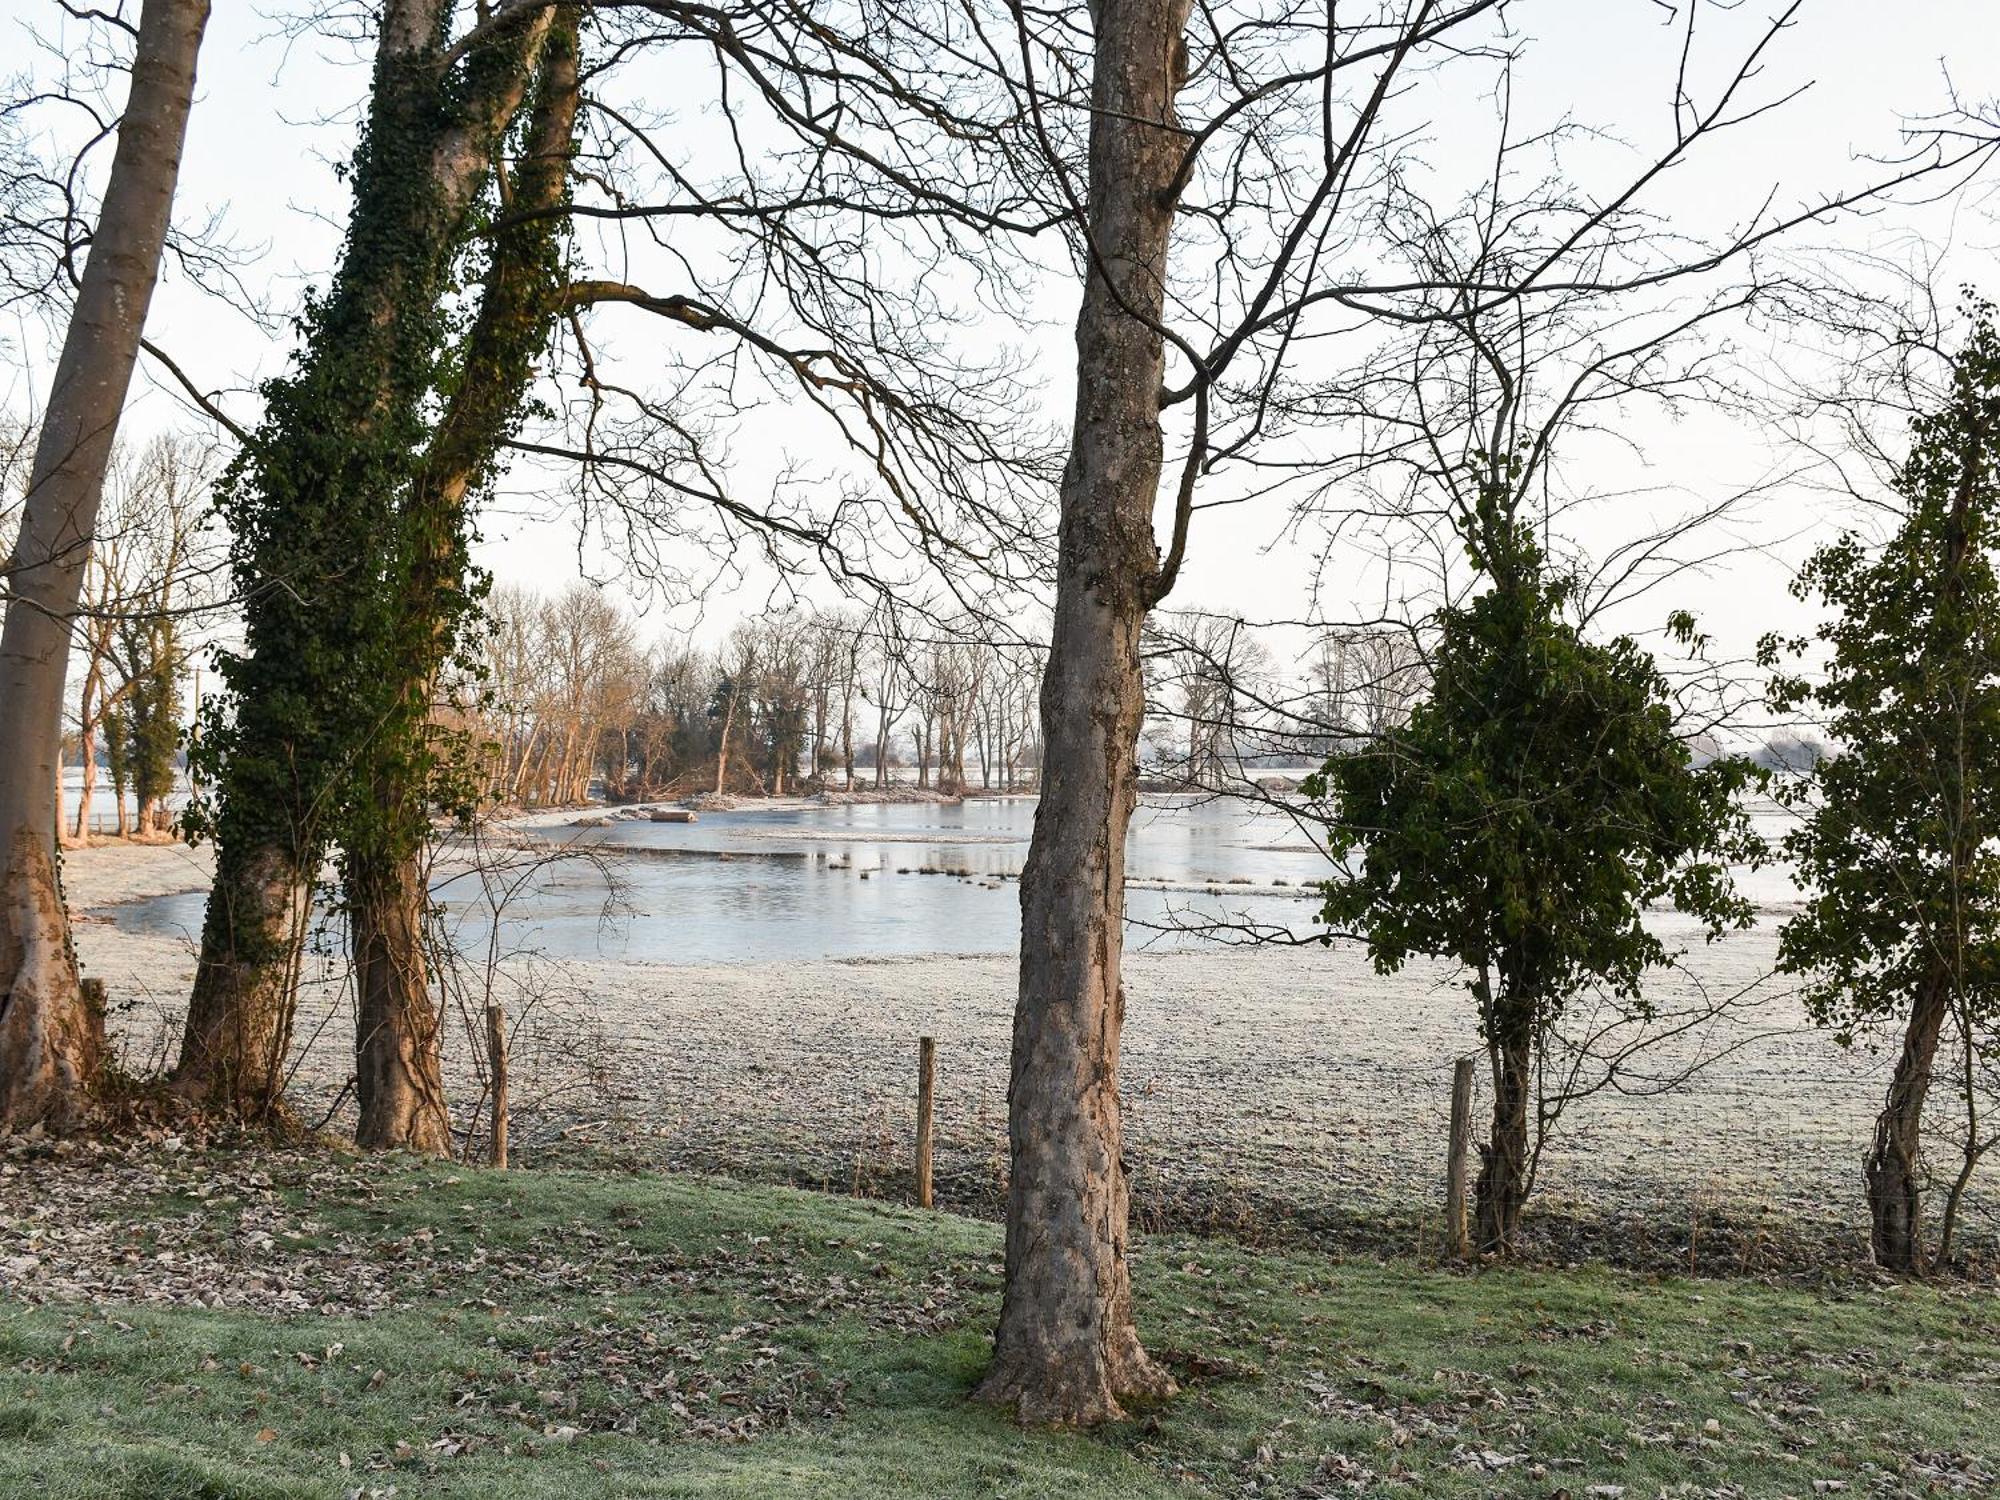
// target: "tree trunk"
[[398, 1057], [48, 1054], [1503, 1169], [1067, 1349], [313, 501], [1893, 1169], [847, 740], [239, 1021], [87, 746], [722, 745], [398, 1041]]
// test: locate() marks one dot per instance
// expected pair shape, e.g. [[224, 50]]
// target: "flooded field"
[[876, 880]]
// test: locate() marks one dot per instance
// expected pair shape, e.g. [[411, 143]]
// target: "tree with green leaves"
[[145, 731], [348, 547], [1523, 821], [1897, 849]]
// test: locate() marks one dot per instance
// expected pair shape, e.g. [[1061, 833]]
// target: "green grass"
[[559, 1334]]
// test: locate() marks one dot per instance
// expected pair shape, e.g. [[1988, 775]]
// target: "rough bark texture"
[[398, 1061], [1067, 1350], [398, 1058], [1894, 1174], [432, 131], [1503, 1159], [47, 1058], [239, 1021]]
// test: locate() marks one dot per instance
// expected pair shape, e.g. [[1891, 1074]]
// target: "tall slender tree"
[[47, 1037], [1068, 1348], [1901, 924]]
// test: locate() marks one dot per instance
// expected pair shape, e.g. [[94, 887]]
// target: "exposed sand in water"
[[1272, 1092]]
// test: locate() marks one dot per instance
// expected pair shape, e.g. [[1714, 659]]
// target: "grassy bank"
[[417, 1331]]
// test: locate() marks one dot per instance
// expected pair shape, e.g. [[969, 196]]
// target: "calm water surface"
[[848, 882]]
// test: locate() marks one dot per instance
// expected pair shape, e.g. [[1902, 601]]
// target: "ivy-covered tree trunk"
[[313, 507], [49, 1037], [1502, 1188], [398, 1057], [1895, 1180], [1067, 1349], [1895, 852]]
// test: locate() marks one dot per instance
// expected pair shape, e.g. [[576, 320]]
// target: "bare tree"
[[1067, 1348], [149, 584], [48, 1042], [1211, 674], [889, 688], [1287, 217]]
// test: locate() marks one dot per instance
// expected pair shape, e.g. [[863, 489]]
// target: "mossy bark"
[[398, 1056], [239, 1021]]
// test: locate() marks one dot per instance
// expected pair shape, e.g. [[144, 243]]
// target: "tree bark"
[[239, 1021], [398, 1042], [364, 377], [86, 743], [48, 1057], [1503, 1169], [847, 739], [722, 745], [398, 1056], [1893, 1168], [1067, 1349]]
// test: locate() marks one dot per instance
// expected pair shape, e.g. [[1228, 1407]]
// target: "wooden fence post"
[[926, 1088], [1457, 1230], [496, 1056]]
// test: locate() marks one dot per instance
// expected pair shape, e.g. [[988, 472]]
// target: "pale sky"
[[274, 118]]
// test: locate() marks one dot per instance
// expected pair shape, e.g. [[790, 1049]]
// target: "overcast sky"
[[275, 117]]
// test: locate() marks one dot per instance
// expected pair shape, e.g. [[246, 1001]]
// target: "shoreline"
[[1284, 1094]]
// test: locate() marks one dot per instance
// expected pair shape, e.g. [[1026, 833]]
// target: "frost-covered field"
[[1276, 1093]]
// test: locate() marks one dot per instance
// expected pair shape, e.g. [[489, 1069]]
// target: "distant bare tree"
[[153, 578]]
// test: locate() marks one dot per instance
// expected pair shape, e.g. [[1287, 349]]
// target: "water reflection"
[[856, 882]]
